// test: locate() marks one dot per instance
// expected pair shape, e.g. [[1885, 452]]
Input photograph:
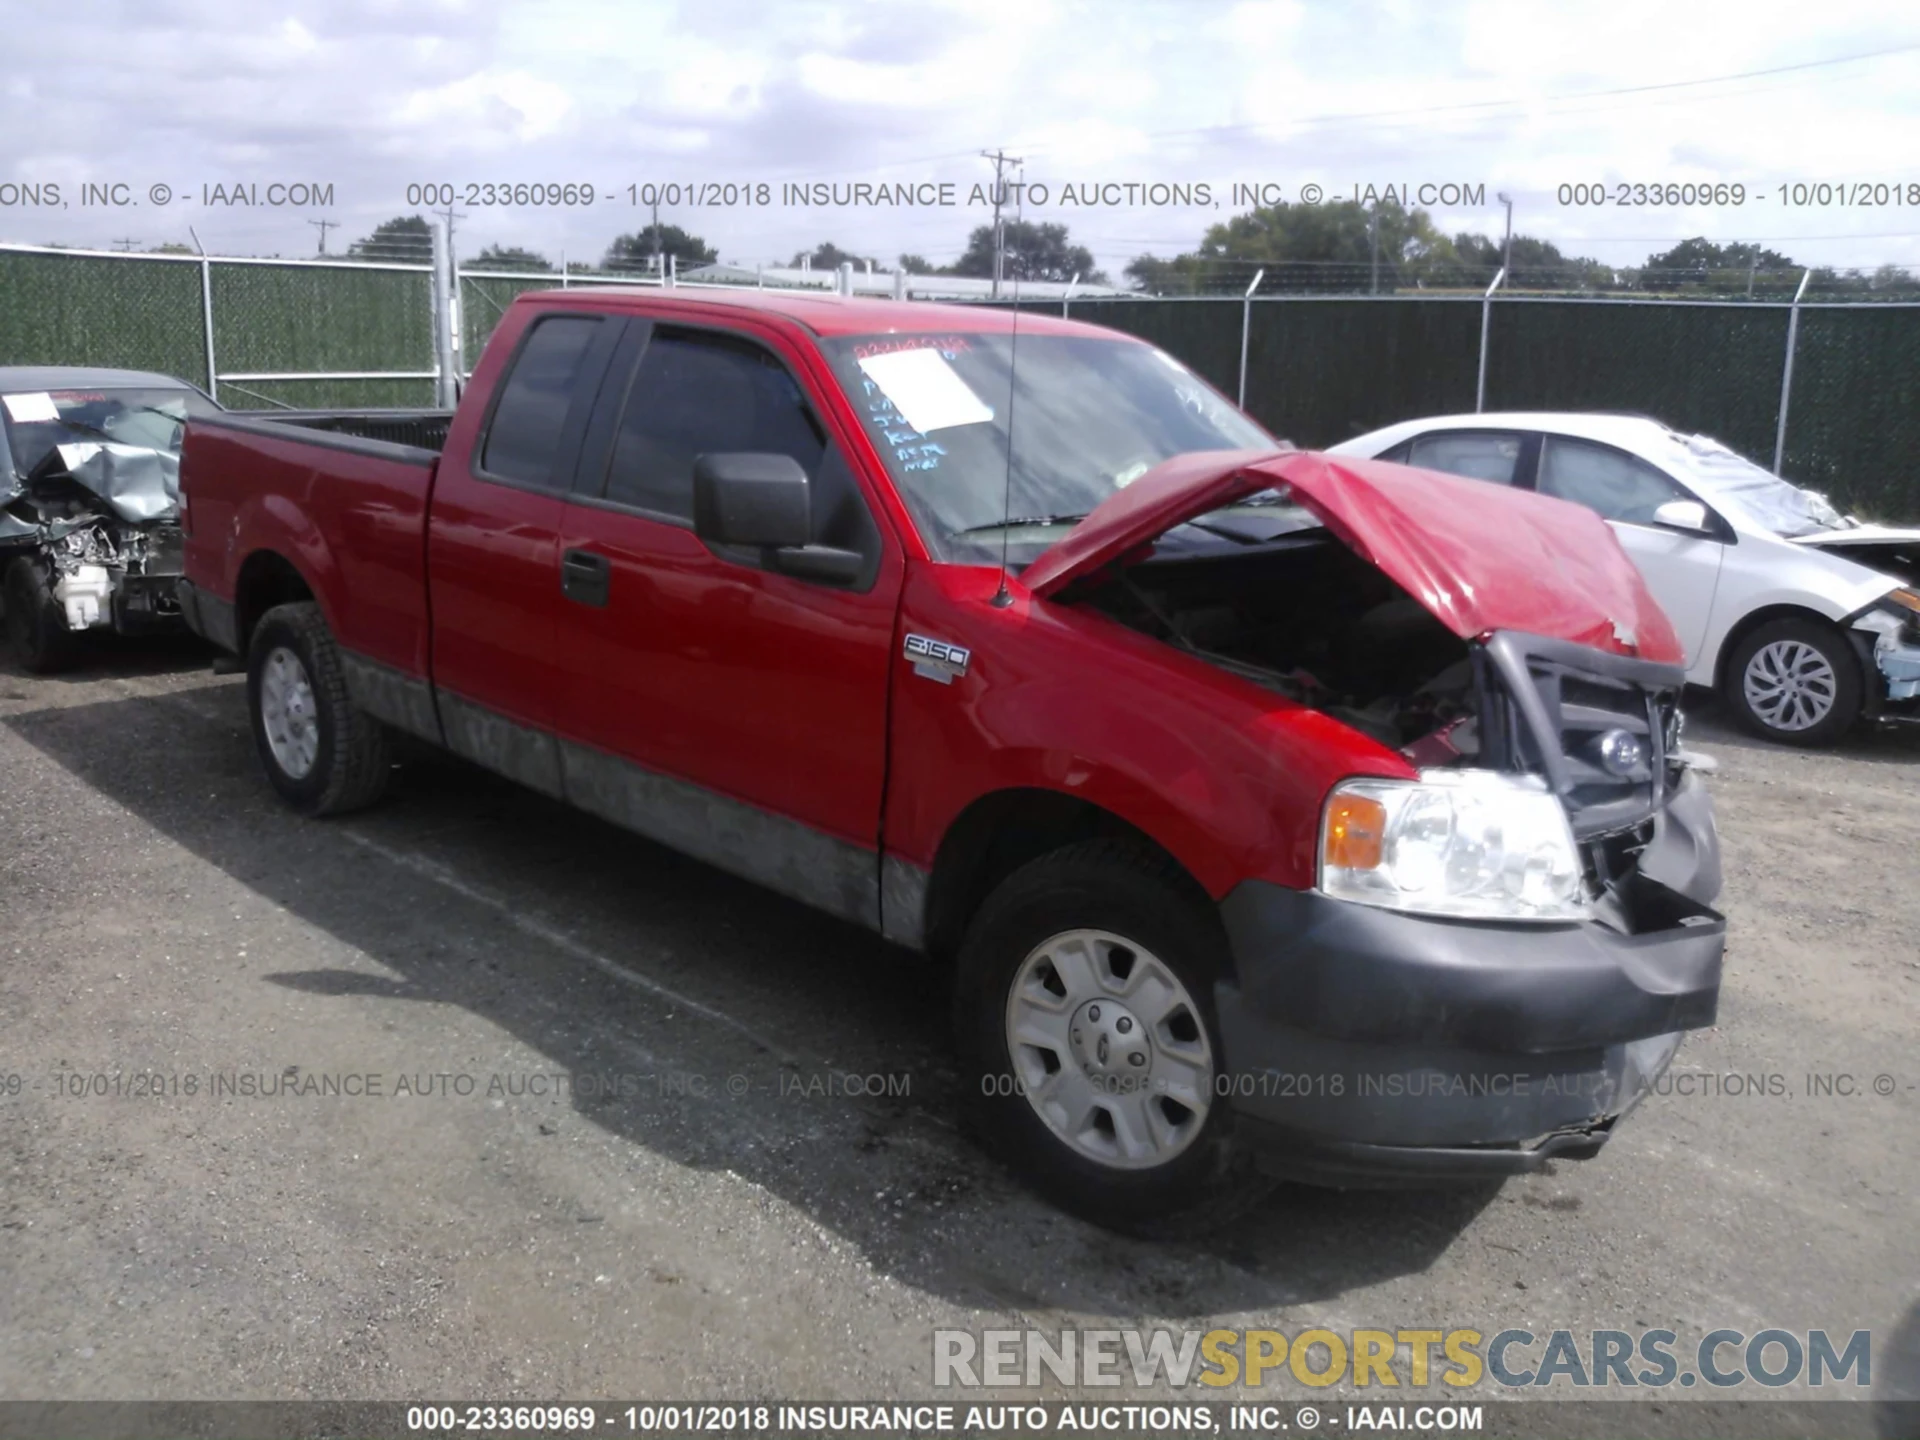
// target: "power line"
[[1427, 110]]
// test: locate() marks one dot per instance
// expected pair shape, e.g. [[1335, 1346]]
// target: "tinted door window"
[[1617, 485], [694, 395], [534, 400], [1477, 454]]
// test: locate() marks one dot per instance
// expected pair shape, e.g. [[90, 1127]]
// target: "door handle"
[[584, 577]]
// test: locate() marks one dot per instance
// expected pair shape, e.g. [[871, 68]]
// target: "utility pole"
[[323, 226], [452, 264], [1506, 248], [1373, 233], [1000, 159], [658, 264], [125, 245]]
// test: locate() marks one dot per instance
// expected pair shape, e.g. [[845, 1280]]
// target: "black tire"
[[1131, 892], [350, 764], [37, 629], [1845, 689]]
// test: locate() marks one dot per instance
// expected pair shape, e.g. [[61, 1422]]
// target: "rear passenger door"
[[727, 709], [492, 547]]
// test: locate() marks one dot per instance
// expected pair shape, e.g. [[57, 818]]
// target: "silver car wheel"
[[1790, 685], [1109, 1049], [288, 713]]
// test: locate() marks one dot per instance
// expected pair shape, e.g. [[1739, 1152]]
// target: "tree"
[[629, 252], [918, 265], [509, 257], [1344, 246], [1305, 247], [829, 256], [1700, 264], [1033, 252], [171, 247], [1537, 265], [405, 237]]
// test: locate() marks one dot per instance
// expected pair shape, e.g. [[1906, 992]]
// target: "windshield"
[[1089, 416], [1780, 505], [148, 419]]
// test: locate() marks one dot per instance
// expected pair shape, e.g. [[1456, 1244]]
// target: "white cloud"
[[376, 94]]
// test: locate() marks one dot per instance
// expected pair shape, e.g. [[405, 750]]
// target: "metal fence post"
[[1786, 373], [443, 279], [1246, 328], [1486, 320], [206, 321], [1066, 300]]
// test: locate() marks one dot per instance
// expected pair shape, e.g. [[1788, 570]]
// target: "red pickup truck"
[[1277, 814]]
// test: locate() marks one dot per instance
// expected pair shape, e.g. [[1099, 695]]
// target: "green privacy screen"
[[1319, 370]]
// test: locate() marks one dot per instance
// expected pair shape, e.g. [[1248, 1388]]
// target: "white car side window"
[[1617, 485], [1476, 454]]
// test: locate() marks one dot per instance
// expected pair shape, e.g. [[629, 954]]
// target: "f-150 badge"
[[936, 659]]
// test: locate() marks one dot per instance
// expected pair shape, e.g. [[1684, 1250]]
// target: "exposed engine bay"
[[1308, 619], [98, 516], [90, 511]]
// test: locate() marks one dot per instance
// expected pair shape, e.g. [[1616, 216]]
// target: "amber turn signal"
[[1356, 825]]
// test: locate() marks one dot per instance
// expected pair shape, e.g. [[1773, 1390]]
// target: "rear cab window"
[[536, 400]]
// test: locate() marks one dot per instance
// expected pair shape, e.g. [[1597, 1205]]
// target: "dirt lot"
[[704, 1212]]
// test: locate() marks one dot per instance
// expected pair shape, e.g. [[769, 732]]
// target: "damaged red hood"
[[1480, 556]]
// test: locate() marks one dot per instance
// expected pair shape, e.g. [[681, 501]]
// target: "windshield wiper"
[[1018, 520]]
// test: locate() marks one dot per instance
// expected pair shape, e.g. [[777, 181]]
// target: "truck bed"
[[421, 429], [351, 508]]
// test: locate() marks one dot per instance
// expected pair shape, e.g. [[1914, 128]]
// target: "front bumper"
[[1367, 1046]]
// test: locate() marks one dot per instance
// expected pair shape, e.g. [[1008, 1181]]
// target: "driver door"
[[716, 704]]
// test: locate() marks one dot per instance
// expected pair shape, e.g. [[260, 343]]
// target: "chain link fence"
[[1320, 370], [355, 333]]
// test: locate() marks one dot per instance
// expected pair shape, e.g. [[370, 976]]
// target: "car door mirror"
[[744, 498], [1689, 516], [765, 502]]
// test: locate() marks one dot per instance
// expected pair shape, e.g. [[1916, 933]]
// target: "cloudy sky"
[[369, 97]]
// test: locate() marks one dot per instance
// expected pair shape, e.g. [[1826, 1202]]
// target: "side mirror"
[[765, 502], [751, 499], [1689, 516]]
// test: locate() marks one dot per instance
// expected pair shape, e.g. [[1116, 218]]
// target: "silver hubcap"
[[1109, 1049], [1790, 685], [288, 713]]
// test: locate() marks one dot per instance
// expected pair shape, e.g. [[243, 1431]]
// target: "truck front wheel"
[[321, 752], [1084, 1010]]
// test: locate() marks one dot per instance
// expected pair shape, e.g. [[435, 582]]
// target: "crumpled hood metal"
[[1479, 556], [1859, 535], [139, 485]]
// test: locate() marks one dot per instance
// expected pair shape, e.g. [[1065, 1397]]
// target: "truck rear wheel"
[[36, 624], [321, 752], [1084, 1007]]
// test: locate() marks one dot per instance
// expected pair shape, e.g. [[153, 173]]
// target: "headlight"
[[1474, 843]]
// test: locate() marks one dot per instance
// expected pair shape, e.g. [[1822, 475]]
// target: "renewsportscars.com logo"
[[1389, 1359]]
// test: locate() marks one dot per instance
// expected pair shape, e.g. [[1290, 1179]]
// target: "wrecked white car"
[[89, 505]]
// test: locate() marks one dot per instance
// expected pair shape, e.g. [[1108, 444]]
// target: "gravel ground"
[[698, 1214]]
